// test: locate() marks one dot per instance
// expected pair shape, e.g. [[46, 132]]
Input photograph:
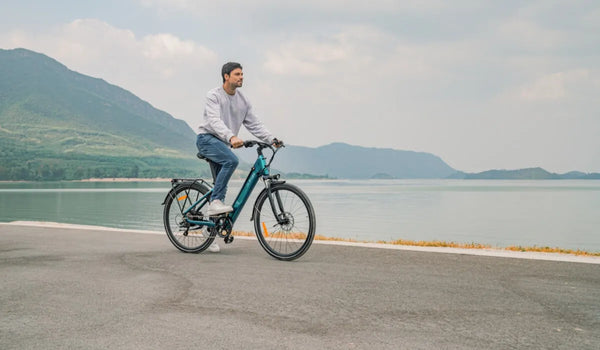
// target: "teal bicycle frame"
[[260, 169]]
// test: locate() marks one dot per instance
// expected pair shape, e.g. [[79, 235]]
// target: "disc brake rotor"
[[287, 221]]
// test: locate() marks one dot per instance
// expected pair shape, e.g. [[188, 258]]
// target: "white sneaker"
[[217, 207], [214, 248]]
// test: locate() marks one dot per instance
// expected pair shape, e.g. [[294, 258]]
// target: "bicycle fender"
[[171, 194], [176, 184], [174, 189]]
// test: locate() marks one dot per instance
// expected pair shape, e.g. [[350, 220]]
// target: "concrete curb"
[[479, 252]]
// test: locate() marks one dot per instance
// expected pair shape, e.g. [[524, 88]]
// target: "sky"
[[481, 84]]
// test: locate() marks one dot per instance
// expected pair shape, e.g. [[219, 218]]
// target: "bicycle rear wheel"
[[188, 238], [285, 226]]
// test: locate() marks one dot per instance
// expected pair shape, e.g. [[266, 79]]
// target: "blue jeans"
[[225, 162]]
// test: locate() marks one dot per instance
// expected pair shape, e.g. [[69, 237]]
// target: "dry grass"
[[552, 250], [243, 234], [435, 244], [336, 239], [438, 244]]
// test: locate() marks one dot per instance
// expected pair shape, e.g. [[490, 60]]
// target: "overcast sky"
[[482, 84]]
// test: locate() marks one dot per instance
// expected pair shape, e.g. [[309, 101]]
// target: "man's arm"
[[256, 127]]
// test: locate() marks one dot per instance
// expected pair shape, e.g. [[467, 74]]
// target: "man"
[[225, 111]]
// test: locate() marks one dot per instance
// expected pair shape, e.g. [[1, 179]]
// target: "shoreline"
[[243, 176], [104, 179], [123, 179], [487, 251]]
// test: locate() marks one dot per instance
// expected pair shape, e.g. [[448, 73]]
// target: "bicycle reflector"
[[182, 197], [265, 229]]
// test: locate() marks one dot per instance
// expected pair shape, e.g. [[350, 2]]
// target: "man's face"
[[235, 78]]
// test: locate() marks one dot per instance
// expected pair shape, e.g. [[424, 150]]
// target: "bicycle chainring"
[[224, 226]]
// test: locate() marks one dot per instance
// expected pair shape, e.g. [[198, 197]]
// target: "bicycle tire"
[[184, 236], [291, 240]]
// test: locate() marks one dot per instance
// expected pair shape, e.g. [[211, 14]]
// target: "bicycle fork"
[[277, 206]]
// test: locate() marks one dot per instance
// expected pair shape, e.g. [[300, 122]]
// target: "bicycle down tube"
[[260, 169]]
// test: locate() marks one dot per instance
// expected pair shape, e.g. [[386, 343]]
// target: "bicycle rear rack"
[[176, 182]]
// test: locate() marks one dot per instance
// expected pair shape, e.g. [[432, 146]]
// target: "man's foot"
[[214, 248], [217, 207]]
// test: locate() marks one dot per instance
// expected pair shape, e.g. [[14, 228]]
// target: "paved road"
[[89, 289]]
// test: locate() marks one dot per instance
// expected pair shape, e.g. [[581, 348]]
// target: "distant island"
[[57, 124], [525, 174], [307, 176]]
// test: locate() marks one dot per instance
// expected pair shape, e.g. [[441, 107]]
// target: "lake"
[[555, 213]]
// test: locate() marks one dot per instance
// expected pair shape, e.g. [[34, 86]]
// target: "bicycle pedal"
[[228, 239]]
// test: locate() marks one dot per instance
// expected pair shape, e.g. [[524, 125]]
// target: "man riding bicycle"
[[225, 111]]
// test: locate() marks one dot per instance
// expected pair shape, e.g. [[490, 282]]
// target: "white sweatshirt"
[[224, 115]]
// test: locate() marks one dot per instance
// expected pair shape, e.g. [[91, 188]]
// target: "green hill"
[[58, 124]]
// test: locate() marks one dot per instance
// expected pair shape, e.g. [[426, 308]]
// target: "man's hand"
[[277, 143], [236, 142]]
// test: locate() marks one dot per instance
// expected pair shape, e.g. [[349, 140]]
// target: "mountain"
[[58, 124], [345, 161], [525, 174]]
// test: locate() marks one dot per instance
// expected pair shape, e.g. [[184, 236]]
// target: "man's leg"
[[225, 163], [218, 152]]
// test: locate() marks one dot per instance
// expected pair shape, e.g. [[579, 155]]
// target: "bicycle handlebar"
[[263, 145], [252, 143], [248, 144]]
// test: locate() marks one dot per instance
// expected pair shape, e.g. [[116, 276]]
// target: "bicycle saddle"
[[200, 156]]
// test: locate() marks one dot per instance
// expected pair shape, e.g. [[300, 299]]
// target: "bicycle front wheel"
[[188, 238], [284, 221]]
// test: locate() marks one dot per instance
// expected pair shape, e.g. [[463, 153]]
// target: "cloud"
[[363, 55], [168, 54], [591, 19], [205, 7], [527, 35], [361, 52], [87, 43], [167, 46], [304, 58], [161, 68], [561, 85]]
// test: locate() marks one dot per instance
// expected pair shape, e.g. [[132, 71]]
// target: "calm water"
[[544, 213]]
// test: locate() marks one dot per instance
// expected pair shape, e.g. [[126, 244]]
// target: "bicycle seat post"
[[211, 164]]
